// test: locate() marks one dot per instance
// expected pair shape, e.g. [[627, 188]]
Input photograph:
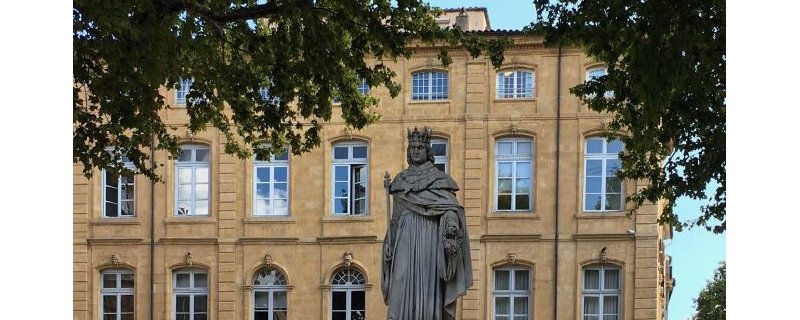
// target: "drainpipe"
[[152, 226], [558, 178]]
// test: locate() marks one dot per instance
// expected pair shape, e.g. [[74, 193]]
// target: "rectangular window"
[[512, 293], [117, 294], [515, 84], [602, 188], [118, 195], [601, 293], [513, 172], [439, 148], [429, 85], [190, 294], [350, 179], [595, 73], [192, 181], [271, 185], [183, 91]]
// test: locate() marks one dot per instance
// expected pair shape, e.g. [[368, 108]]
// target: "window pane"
[[283, 156], [262, 175], [111, 209], [200, 303], [201, 155], [339, 300], [613, 202], [594, 168], [109, 280], [126, 280], [612, 165], [281, 191], [127, 192], [184, 175], [614, 146], [200, 280], [182, 303], [279, 300], [340, 152], [360, 207], [594, 145], [611, 278], [439, 149], [262, 207], [504, 169], [201, 208], [109, 303], [340, 189], [440, 166], [341, 173], [610, 305], [360, 152], [184, 207], [358, 300], [126, 303], [521, 279], [610, 317], [261, 300], [341, 206], [182, 280], [523, 186], [593, 184], [592, 201], [201, 316], [279, 315], [520, 305], [186, 155], [524, 148], [185, 192], [262, 315], [502, 279], [523, 169], [522, 202], [202, 175], [613, 185], [503, 186], [280, 174], [502, 305], [127, 316], [591, 305], [181, 317], [504, 202], [591, 279], [262, 190], [127, 208], [504, 148], [339, 315], [281, 208], [201, 191]]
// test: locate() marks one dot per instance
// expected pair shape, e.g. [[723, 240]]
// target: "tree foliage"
[[666, 69], [304, 52], [710, 303]]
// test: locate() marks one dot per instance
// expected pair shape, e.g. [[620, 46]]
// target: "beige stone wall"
[[310, 243]]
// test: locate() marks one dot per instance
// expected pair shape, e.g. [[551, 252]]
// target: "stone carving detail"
[[603, 255], [115, 260], [189, 259], [426, 258], [512, 258], [347, 257], [268, 259]]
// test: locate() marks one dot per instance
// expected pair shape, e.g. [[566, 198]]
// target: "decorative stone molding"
[[514, 128], [115, 260], [512, 258], [603, 255], [189, 259], [348, 131], [347, 257], [268, 259]]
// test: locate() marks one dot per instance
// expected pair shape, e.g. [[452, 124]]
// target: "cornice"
[[511, 237]]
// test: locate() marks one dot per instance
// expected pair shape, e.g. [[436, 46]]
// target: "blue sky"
[[696, 253]]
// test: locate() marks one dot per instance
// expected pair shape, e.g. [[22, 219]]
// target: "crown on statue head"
[[417, 136]]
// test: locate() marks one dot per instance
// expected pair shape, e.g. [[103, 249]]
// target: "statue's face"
[[417, 152]]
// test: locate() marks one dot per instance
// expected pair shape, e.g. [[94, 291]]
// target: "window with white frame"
[[602, 187], [116, 295], [601, 293], [269, 295], [348, 299], [190, 293], [192, 181], [515, 84], [429, 85], [271, 185], [350, 177], [595, 73], [440, 153], [513, 167], [512, 293], [183, 91], [119, 194]]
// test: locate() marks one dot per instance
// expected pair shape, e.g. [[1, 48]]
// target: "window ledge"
[[445, 101], [270, 220], [349, 218], [511, 100], [190, 220], [115, 221], [512, 215], [601, 215]]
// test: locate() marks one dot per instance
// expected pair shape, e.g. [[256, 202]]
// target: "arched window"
[[190, 294], [192, 181], [440, 153], [348, 298], [116, 294], [512, 293], [269, 295], [595, 73], [271, 185], [602, 188], [514, 169], [429, 85], [601, 292], [350, 178], [119, 193], [515, 84]]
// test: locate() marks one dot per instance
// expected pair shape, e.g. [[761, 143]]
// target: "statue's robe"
[[421, 280]]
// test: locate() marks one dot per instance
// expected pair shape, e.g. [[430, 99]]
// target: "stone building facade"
[[541, 248]]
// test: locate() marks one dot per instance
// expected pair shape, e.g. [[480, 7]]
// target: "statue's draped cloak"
[[420, 279]]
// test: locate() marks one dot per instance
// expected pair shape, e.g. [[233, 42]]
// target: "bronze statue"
[[426, 257]]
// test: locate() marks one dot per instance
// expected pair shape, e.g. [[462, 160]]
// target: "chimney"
[[462, 20]]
